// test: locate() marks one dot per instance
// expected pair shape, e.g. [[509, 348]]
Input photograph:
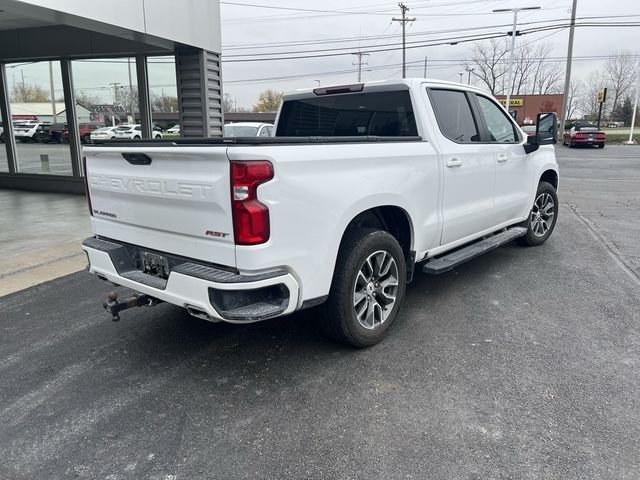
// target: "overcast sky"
[[306, 28]]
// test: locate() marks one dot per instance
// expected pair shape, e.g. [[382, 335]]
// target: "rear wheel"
[[601, 145], [368, 288], [543, 216]]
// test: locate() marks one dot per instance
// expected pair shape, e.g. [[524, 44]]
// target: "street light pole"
[[513, 45], [460, 73], [567, 77], [633, 117], [469, 71]]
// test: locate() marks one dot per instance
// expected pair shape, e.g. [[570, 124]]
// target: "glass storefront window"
[[163, 96], [107, 90], [4, 164], [39, 118]]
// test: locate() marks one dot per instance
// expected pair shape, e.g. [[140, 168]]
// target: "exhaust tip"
[[197, 312]]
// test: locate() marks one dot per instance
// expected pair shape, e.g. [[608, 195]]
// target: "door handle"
[[502, 157], [454, 162]]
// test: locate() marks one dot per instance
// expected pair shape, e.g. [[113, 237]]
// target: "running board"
[[452, 260]]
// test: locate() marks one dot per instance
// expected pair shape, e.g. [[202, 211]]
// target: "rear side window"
[[385, 114], [454, 116]]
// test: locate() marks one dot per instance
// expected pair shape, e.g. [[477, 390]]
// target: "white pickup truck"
[[360, 185]]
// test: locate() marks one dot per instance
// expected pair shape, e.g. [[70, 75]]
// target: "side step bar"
[[452, 260]]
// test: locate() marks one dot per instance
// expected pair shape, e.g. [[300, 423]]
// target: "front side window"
[[499, 126], [454, 116]]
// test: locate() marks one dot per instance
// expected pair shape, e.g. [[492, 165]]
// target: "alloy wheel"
[[542, 214], [375, 290]]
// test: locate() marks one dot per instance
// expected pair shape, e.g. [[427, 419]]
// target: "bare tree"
[[576, 89], [532, 71], [227, 103], [621, 72], [25, 92], [488, 64], [588, 99], [164, 103]]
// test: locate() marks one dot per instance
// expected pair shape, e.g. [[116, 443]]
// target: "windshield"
[[240, 131]]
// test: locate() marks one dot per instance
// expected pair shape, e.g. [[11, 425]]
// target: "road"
[[522, 364]]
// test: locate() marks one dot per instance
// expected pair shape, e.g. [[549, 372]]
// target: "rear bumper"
[[220, 294], [586, 141]]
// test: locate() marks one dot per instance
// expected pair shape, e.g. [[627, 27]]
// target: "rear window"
[[384, 114]]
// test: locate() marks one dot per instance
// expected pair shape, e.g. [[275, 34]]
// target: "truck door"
[[513, 169], [468, 164]]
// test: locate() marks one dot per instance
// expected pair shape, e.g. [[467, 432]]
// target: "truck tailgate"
[[174, 199]]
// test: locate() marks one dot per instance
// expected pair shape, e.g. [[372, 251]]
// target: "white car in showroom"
[[248, 129], [134, 132], [104, 133], [175, 130]]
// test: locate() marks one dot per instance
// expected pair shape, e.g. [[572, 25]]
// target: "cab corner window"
[[454, 115], [500, 128]]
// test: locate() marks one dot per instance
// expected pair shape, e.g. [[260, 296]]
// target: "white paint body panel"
[[316, 191]]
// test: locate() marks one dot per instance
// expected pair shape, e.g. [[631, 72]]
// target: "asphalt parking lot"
[[522, 364]]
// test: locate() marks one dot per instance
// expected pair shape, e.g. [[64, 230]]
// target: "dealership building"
[[56, 55]]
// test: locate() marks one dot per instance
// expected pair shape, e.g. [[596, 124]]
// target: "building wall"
[[528, 106], [191, 22]]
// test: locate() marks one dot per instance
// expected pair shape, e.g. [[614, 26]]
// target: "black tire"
[[533, 236], [136, 137], [601, 145], [338, 314], [86, 139], [570, 144]]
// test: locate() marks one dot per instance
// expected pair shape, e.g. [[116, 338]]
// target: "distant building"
[[526, 107], [43, 112]]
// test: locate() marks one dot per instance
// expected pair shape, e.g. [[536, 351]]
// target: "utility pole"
[[469, 71], [425, 67], [567, 78], [404, 20], [514, 32], [359, 62], [114, 99]]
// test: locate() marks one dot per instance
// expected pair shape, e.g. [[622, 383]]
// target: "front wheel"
[[368, 288], [543, 216]]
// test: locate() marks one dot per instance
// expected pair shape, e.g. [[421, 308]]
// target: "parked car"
[[384, 179], [32, 132], [134, 132], [103, 133], [174, 130], [84, 129], [583, 132], [248, 129]]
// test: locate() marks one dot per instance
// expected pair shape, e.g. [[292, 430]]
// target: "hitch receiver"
[[139, 300]]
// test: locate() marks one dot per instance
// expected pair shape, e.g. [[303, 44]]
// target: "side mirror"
[[546, 132], [547, 128]]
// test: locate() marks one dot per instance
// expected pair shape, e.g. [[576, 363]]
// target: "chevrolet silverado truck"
[[360, 186]]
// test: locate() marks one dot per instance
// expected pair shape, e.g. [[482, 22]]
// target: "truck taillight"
[[250, 216], [86, 184]]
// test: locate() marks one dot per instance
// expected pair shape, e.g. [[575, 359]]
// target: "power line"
[[416, 44]]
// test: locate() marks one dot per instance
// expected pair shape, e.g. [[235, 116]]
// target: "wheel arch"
[[550, 176]]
